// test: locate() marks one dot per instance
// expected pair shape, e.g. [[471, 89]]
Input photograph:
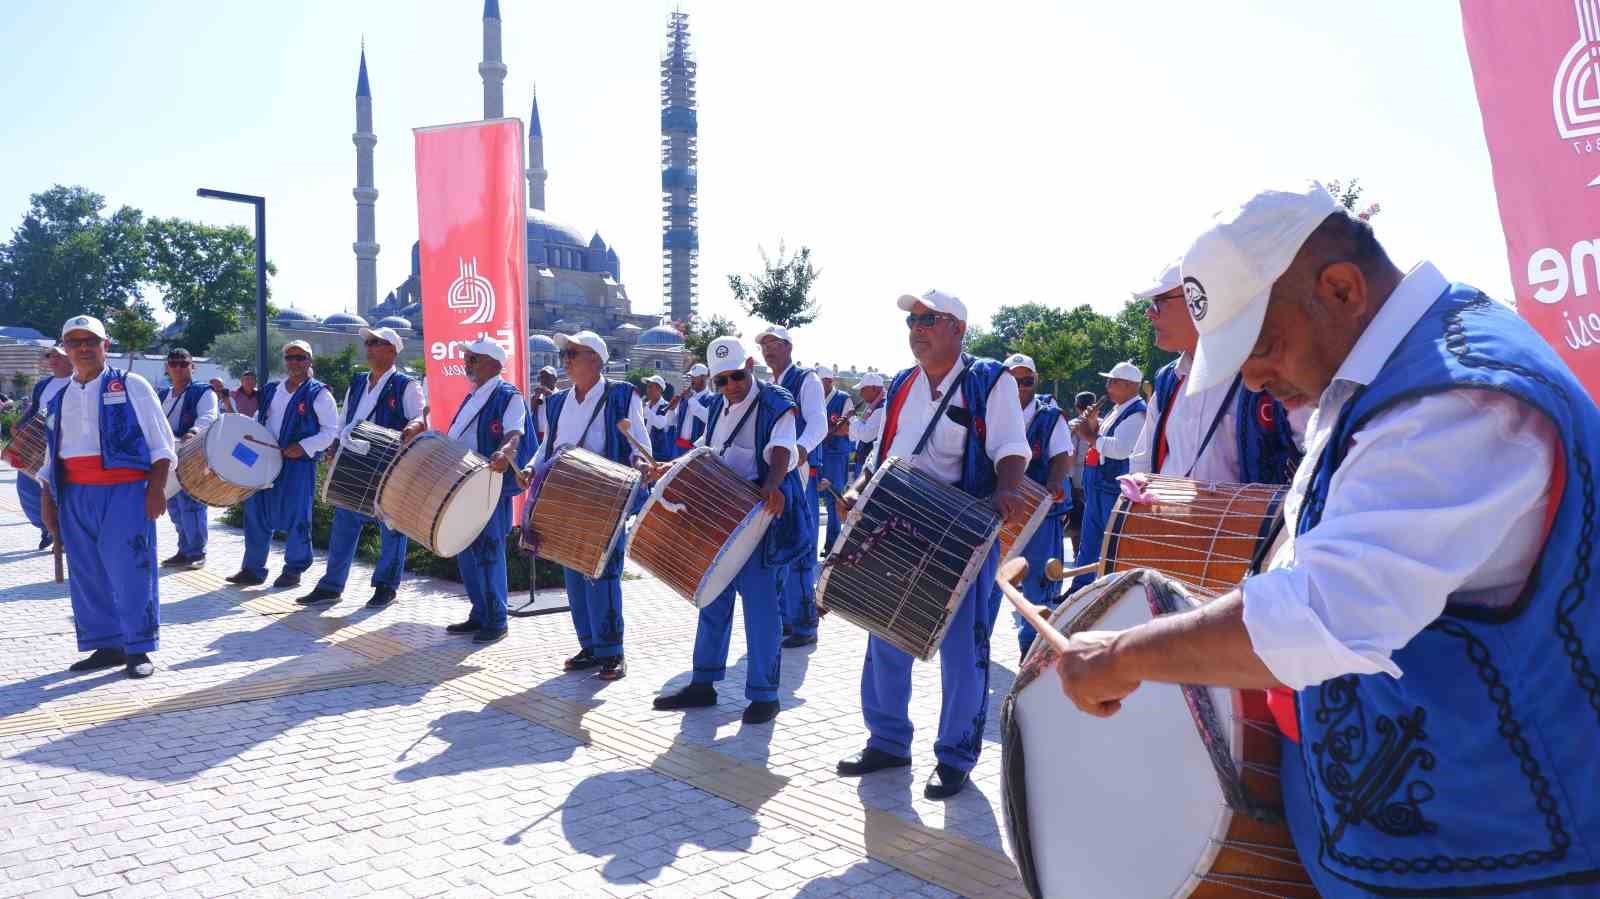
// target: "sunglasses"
[[734, 376], [178, 363], [925, 320], [297, 357], [471, 358], [1156, 302], [80, 343], [1025, 382], [573, 352], [376, 342]]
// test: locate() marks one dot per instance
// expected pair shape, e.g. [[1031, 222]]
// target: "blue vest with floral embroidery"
[[787, 537], [1478, 771], [1045, 419], [977, 469], [122, 443], [390, 409], [299, 416], [490, 432], [189, 406], [1267, 452]]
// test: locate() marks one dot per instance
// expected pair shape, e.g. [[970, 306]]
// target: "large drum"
[[699, 527], [1208, 535], [365, 453], [29, 447], [439, 493], [909, 550], [234, 457], [1175, 795], [1015, 532], [577, 508]]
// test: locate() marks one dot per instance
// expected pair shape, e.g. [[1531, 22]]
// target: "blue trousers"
[[483, 571], [799, 583], [346, 533], [29, 496], [1045, 545], [1098, 498], [189, 518], [111, 545], [758, 587], [286, 507], [964, 671], [596, 607], [833, 466]]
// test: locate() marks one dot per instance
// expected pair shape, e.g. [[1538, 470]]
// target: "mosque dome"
[[538, 343], [661, 335], [295, 317], [541, 227], [394, 321], [345, 319]]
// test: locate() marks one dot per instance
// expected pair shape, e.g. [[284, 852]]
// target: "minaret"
[[536, 172], [366, 245], [680, 231], [492, 68]]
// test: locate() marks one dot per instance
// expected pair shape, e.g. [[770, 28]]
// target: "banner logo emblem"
[[1575, 94], [471, 290]]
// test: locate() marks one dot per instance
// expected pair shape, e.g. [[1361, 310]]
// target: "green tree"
[[636, 376], [1138, 338], [337, 370], [206, 275], [988, 344], [21, 383], [132, 328], [781, 294], [236, 351], [66, 259], [699, 332]]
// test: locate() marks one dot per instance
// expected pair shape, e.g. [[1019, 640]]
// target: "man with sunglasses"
[[1110, 448], [811, 425], [299, 410], [688, 410], [390, 399], [190, 408], [110, 452], [959, 419], [864, 430], [536, 397], [833, 453], [29, 494], [586, 415], [1050, 445], [751, 426]]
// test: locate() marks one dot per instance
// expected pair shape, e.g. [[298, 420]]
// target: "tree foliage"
[[781, 293], [337, 370], [1070, 347], [132, 328], [206, 276], [67, 259], [699, 332], [236, 351]]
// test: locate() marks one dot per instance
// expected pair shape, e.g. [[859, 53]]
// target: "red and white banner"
[[1537, 68], [474, 258]]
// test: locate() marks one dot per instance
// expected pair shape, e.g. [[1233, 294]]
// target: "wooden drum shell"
[[1016, 532], [578, 508], [195, 475], [1207, 535], [354, 479], [695, 532], [29, 447], [434, 492]]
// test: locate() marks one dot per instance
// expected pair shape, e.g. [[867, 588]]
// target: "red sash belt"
[[684, 444], [1092, 457], [89, 470], [1280, 702]]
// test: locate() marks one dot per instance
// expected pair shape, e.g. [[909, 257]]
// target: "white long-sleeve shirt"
[[1438, 496], [1121, 445], [1060, 435], [1004, 434], [1187, 423], [326, 410], [741, 453], [869, 428], [410, 398], [810, 402], [205, 411], [574, 427], [80, 419], [657, 416], [514, 419]]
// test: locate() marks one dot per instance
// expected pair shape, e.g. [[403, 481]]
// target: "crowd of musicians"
[[1434, 580]]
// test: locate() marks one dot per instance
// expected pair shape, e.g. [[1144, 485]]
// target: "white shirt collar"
[[1400, 312], [375, 386], [486, 387], [739, 407], [949, 379]]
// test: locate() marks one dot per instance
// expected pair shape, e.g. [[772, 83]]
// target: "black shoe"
[[245, 579], [178, 559], [795, 641], [100, 658], [694, 696], [582, 661], [286, 580], [317, 595], [140, 666], [45, 540], [945, 782], [465, 627], [381, 597], [486, 637], [761, 711], [195, 563], [868, 761], [612, 668]]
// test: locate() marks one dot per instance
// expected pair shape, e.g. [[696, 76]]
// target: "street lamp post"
[[260, 203]]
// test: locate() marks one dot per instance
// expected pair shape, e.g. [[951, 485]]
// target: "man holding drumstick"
[[190, 408], [29, 493], [811, 425], [1050, 446], [959, 419]]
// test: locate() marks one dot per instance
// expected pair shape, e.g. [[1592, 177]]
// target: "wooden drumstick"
[[626, 428], [1054, 571], [1011, 572], [827, 486]]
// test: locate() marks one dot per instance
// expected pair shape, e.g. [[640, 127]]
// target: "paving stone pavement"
[[283, 751]]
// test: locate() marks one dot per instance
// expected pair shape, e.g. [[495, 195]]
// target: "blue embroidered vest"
[[490, 433], [794, 533], [660, 439], [122, 443], [977, 469], [1477, 771], [618, 399], [678, 443], [793, 378], [299, 416], [390, 410], [189, 408], [1267, 453], [1045, 421], [1110, 469], [836, 446]]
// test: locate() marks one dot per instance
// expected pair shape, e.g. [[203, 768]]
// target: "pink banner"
[[1537, 68], [474, 260]]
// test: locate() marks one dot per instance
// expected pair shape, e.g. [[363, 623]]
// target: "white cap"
[[549, 370], [1018, 360], [55, 348], [656, 380], [1124, 371], [297, 345], [824, 371], [871, 379], [698, 371], [1229, 270], [387, 335], [778, 331], [938, 301], [726, 354], [1170, 278], [84, 323], [488, 348], [586, 339]]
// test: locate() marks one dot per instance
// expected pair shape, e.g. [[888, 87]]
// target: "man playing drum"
[[752, 427], [688, 411], [833, 453], [960, 420], [1081, 405], [29, 493], [586, 415], [1443, 737], [800, 583], [865, 428], [389, 399], [110, 449], [190, 408], [1050, 460], [1107, 458]]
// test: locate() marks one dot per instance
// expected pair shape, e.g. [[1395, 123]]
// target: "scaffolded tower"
[[680, 230]]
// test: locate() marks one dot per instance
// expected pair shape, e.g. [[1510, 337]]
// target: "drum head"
[[253, 462], [466, 512], [1121, 806], [741, 544]]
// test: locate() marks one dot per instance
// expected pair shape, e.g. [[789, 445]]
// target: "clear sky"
[[1007, 152]]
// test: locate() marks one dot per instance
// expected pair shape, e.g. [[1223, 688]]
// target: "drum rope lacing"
[[1186, 496]]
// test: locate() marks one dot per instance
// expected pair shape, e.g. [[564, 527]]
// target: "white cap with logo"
[[387, 335], [1018, 360], [549, 370], [586, 339], [1124, 371], [824, 371], [698, 371], [84, 323], [488, 348], [298, 345], [777, 331], [937, 301], [871, 379], [1229, 271], [725, 354], [1170, 278]]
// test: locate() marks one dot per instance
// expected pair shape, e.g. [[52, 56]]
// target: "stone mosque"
[[574, 283]]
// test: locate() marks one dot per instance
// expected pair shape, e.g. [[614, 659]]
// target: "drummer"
[[965, 430], [537, 396], [586, 415], [1110, 446], [800, 582], [299, 409], [655, 414], [110, 451], [1225, 433], [1081, 404], [388, 398], [1430, 618], [752, 427], [833, 453], [1050, 444], [190, 408], [688, 411], [28, 490], [866, 426]]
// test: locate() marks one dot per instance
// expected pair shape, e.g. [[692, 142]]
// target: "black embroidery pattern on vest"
[[1367, 774]]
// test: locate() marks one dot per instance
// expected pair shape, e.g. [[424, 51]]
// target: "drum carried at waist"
[[1208, 535], [439, 493], [223, 465], [577, 509], [1015, 532], [29, 447], [908, 552], [366, 452]]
